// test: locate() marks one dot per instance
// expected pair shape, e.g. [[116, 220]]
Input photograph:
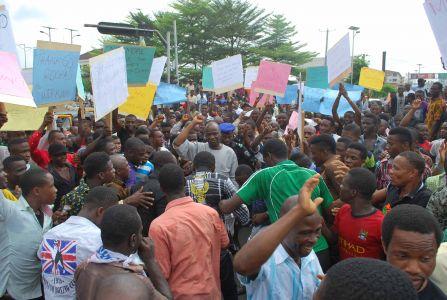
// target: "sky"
[[399, 27]]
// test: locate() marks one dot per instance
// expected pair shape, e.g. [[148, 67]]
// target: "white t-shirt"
[[63, 248]]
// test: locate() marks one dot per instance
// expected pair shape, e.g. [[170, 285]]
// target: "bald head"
[[123, 286], [291, 202], [118, 161]]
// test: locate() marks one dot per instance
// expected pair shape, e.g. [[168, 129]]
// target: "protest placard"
[[254, 96], [55, 67], [109, 81], [272, 78], [348, 87], [207, 79], [436, 11], [23, 117], [312, 99], [339, 60], [80, 84], [169, 93], [228, 74], [251, 73], [7, 41], [371, 79], [139, 102], [138, 62], [316, 77], [291, 95], [329, 99], [158, 65], [13, 88]]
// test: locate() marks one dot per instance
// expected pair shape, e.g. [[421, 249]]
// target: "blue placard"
[[312, 99], [317, 77], [54, 76], [169, 93], [349, 87], [290, 95], [207, 78], [329, 99]]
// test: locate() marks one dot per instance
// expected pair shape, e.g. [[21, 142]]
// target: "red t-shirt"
[[359, 236]]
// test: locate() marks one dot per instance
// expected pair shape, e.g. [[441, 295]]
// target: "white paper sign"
[[158, 65], [7, 42], [251, 73], [228, 74], [339, 60], [109, 81], [436, 11]]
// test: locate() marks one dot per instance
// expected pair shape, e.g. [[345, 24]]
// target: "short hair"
[[204, 159], [352, 127], [171, 178], [118, 224], [211, 123], [403, 134], [52, 133], [142, 130], [16, 141], [242, 170], [373, 117], [115, 137], [366, 279], [101, 146], [55, 149], [95, 163], [301, 159], [7, 162], [409, 217], [133, 143], [361, 148], [330, 119], [32, 178], [161, 158], [101, 196], [276, 147], [439, 84], [344, 140], [415, 160], [324, 141], [363, 181]]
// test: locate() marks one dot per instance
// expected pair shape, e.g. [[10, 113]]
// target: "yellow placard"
[[139, 102], [23, 117], [372, 79]]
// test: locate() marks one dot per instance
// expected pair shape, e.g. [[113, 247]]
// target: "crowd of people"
[[354, 207]]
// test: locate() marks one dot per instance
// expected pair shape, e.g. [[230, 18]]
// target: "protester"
[[22, 226], [411, 237], [117, 255], [14, 167], [181, 260], [355, 156], [135, 153], [67, 245], [370, 138], [436, 107], [279, 261]]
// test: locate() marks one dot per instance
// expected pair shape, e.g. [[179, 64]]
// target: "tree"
[[360, 61]]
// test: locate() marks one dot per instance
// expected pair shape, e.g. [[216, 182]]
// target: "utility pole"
[[71, 34], [419, 68], [355, 30], [176, 52], [49, 31], [25, 48], [168, 54], [327, 30]]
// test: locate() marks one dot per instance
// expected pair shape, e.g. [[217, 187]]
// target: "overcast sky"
[[399, 27]]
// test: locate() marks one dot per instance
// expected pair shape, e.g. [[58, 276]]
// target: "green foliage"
[[360, 61], [387, 88]]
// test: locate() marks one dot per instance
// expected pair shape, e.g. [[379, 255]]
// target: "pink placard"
[[11, 79], [293, 122], [254, 95], [272, 78]]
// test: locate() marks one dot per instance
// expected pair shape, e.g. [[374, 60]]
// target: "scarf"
[[105, 256]]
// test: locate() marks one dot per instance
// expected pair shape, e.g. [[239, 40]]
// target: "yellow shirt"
[[8, 195]]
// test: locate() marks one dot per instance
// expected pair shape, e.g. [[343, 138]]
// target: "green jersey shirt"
[[275, 184]]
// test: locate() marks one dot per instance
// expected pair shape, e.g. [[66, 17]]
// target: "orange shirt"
[[188, 238]]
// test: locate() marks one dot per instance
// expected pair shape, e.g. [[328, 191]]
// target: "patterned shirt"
[[436, 182], [75, 199], [437, 205], [378, 148], [383, 173], [281, 278]]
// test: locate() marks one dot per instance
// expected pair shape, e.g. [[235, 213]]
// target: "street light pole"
[[355, 30], [168, 54], [326, 46], [419, 68], [71, 34], [49, 31], [176, 51]]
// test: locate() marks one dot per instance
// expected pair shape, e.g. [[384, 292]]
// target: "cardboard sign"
[[138, 62], [80, 84], [23, 117], [312, 99], [272, 78], [207, 79], [169, 93], [228, 74], [109, 81], [339, 60], [321, 101], [158, 65], [13, 88], [317, 77], [7, 41], [251, 73], [371, 79], [139, 102], [436, 11], [254, 95], [290, 95]]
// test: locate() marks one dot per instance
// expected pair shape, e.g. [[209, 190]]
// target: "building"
[[393, 78]]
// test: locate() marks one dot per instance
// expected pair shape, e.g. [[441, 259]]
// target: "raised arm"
[[335, 108], [410, 114], [357, 111], [249, 260], [181, 138]]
